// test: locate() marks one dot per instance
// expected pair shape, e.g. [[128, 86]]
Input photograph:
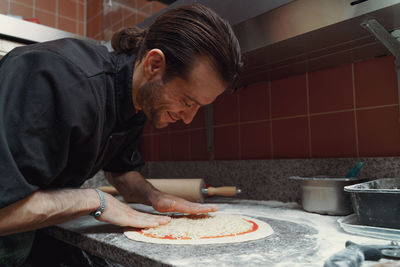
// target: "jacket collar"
[[126, 111]]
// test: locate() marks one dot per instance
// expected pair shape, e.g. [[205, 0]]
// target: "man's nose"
[[188, 114]]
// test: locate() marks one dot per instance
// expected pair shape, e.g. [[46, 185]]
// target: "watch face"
[[97, 213]]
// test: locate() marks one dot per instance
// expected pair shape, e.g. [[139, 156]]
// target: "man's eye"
[[189, 105]]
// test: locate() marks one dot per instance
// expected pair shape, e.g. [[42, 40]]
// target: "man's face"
[[165, 103]]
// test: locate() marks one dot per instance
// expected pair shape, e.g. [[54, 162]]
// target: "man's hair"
[[184, 34]]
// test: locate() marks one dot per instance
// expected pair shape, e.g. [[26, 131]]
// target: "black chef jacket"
[[66, 112]]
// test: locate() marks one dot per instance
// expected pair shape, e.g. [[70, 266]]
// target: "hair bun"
[[127, 40]]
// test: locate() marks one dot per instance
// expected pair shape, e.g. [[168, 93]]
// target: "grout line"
[[97, 36], [271, 139], [9, 7], [308, 116], [102, 14], [330, 112], [289, 117], [251, 122], [68, 18], [136, 17], [77, 18], [56, 14], [44, 11], [376, 107], [85, 18], [34, 9], [355, 110], [94, 16]]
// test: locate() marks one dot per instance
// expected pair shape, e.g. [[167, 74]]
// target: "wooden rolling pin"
[[189, 189]]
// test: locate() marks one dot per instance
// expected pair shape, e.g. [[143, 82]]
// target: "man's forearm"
[[47, 207], [133, 187]]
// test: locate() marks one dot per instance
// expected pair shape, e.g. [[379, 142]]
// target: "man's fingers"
[[194, 208], [161, 219], [149, 220], [209, 208], [168, 203]]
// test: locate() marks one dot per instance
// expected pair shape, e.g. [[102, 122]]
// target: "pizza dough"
[[203, 229]]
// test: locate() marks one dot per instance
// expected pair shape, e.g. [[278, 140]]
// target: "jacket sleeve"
[[41, 116]]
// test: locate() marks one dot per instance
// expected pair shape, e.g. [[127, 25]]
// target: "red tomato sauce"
[[254, 228]]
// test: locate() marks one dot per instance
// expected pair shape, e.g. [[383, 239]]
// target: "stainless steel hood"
[[282, 38], [308, 35]]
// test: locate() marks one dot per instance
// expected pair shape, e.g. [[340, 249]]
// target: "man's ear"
[[154, 64]]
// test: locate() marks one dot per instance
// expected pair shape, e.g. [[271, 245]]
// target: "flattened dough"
[[264, 230]]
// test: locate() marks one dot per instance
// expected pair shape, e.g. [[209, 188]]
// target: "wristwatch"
[[97, 213]]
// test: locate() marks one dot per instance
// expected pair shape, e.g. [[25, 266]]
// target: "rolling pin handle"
[[227, 191]]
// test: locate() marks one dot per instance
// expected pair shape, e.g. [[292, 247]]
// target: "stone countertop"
[[299, 239]]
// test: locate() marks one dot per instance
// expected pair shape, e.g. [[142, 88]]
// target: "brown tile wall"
[[67, 15], [346, 111], [126, 13], [100, 21]]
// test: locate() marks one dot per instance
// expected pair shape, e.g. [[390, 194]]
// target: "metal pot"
[[325, 195]]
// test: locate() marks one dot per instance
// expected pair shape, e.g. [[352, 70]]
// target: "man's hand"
[[168, 203], [134, 188], [121, 214]]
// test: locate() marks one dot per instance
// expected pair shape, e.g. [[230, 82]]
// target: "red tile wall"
[[99, 22], [126, 13], [67, 15], [346, 111], [94, 19]]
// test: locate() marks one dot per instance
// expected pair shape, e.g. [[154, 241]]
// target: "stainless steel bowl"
[[325, 195]]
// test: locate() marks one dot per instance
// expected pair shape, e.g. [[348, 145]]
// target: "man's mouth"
[[173, 117]]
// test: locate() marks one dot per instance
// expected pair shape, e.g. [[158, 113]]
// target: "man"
[[69, 109]]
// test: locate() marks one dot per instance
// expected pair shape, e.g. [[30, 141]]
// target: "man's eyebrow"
[[194, 100]]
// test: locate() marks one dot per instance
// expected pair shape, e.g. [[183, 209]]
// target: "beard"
[[151, 98]]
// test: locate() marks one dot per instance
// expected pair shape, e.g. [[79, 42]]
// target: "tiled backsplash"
[[127, 13], [346, 111], [84, 17], [106, 17], [67, 15]]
